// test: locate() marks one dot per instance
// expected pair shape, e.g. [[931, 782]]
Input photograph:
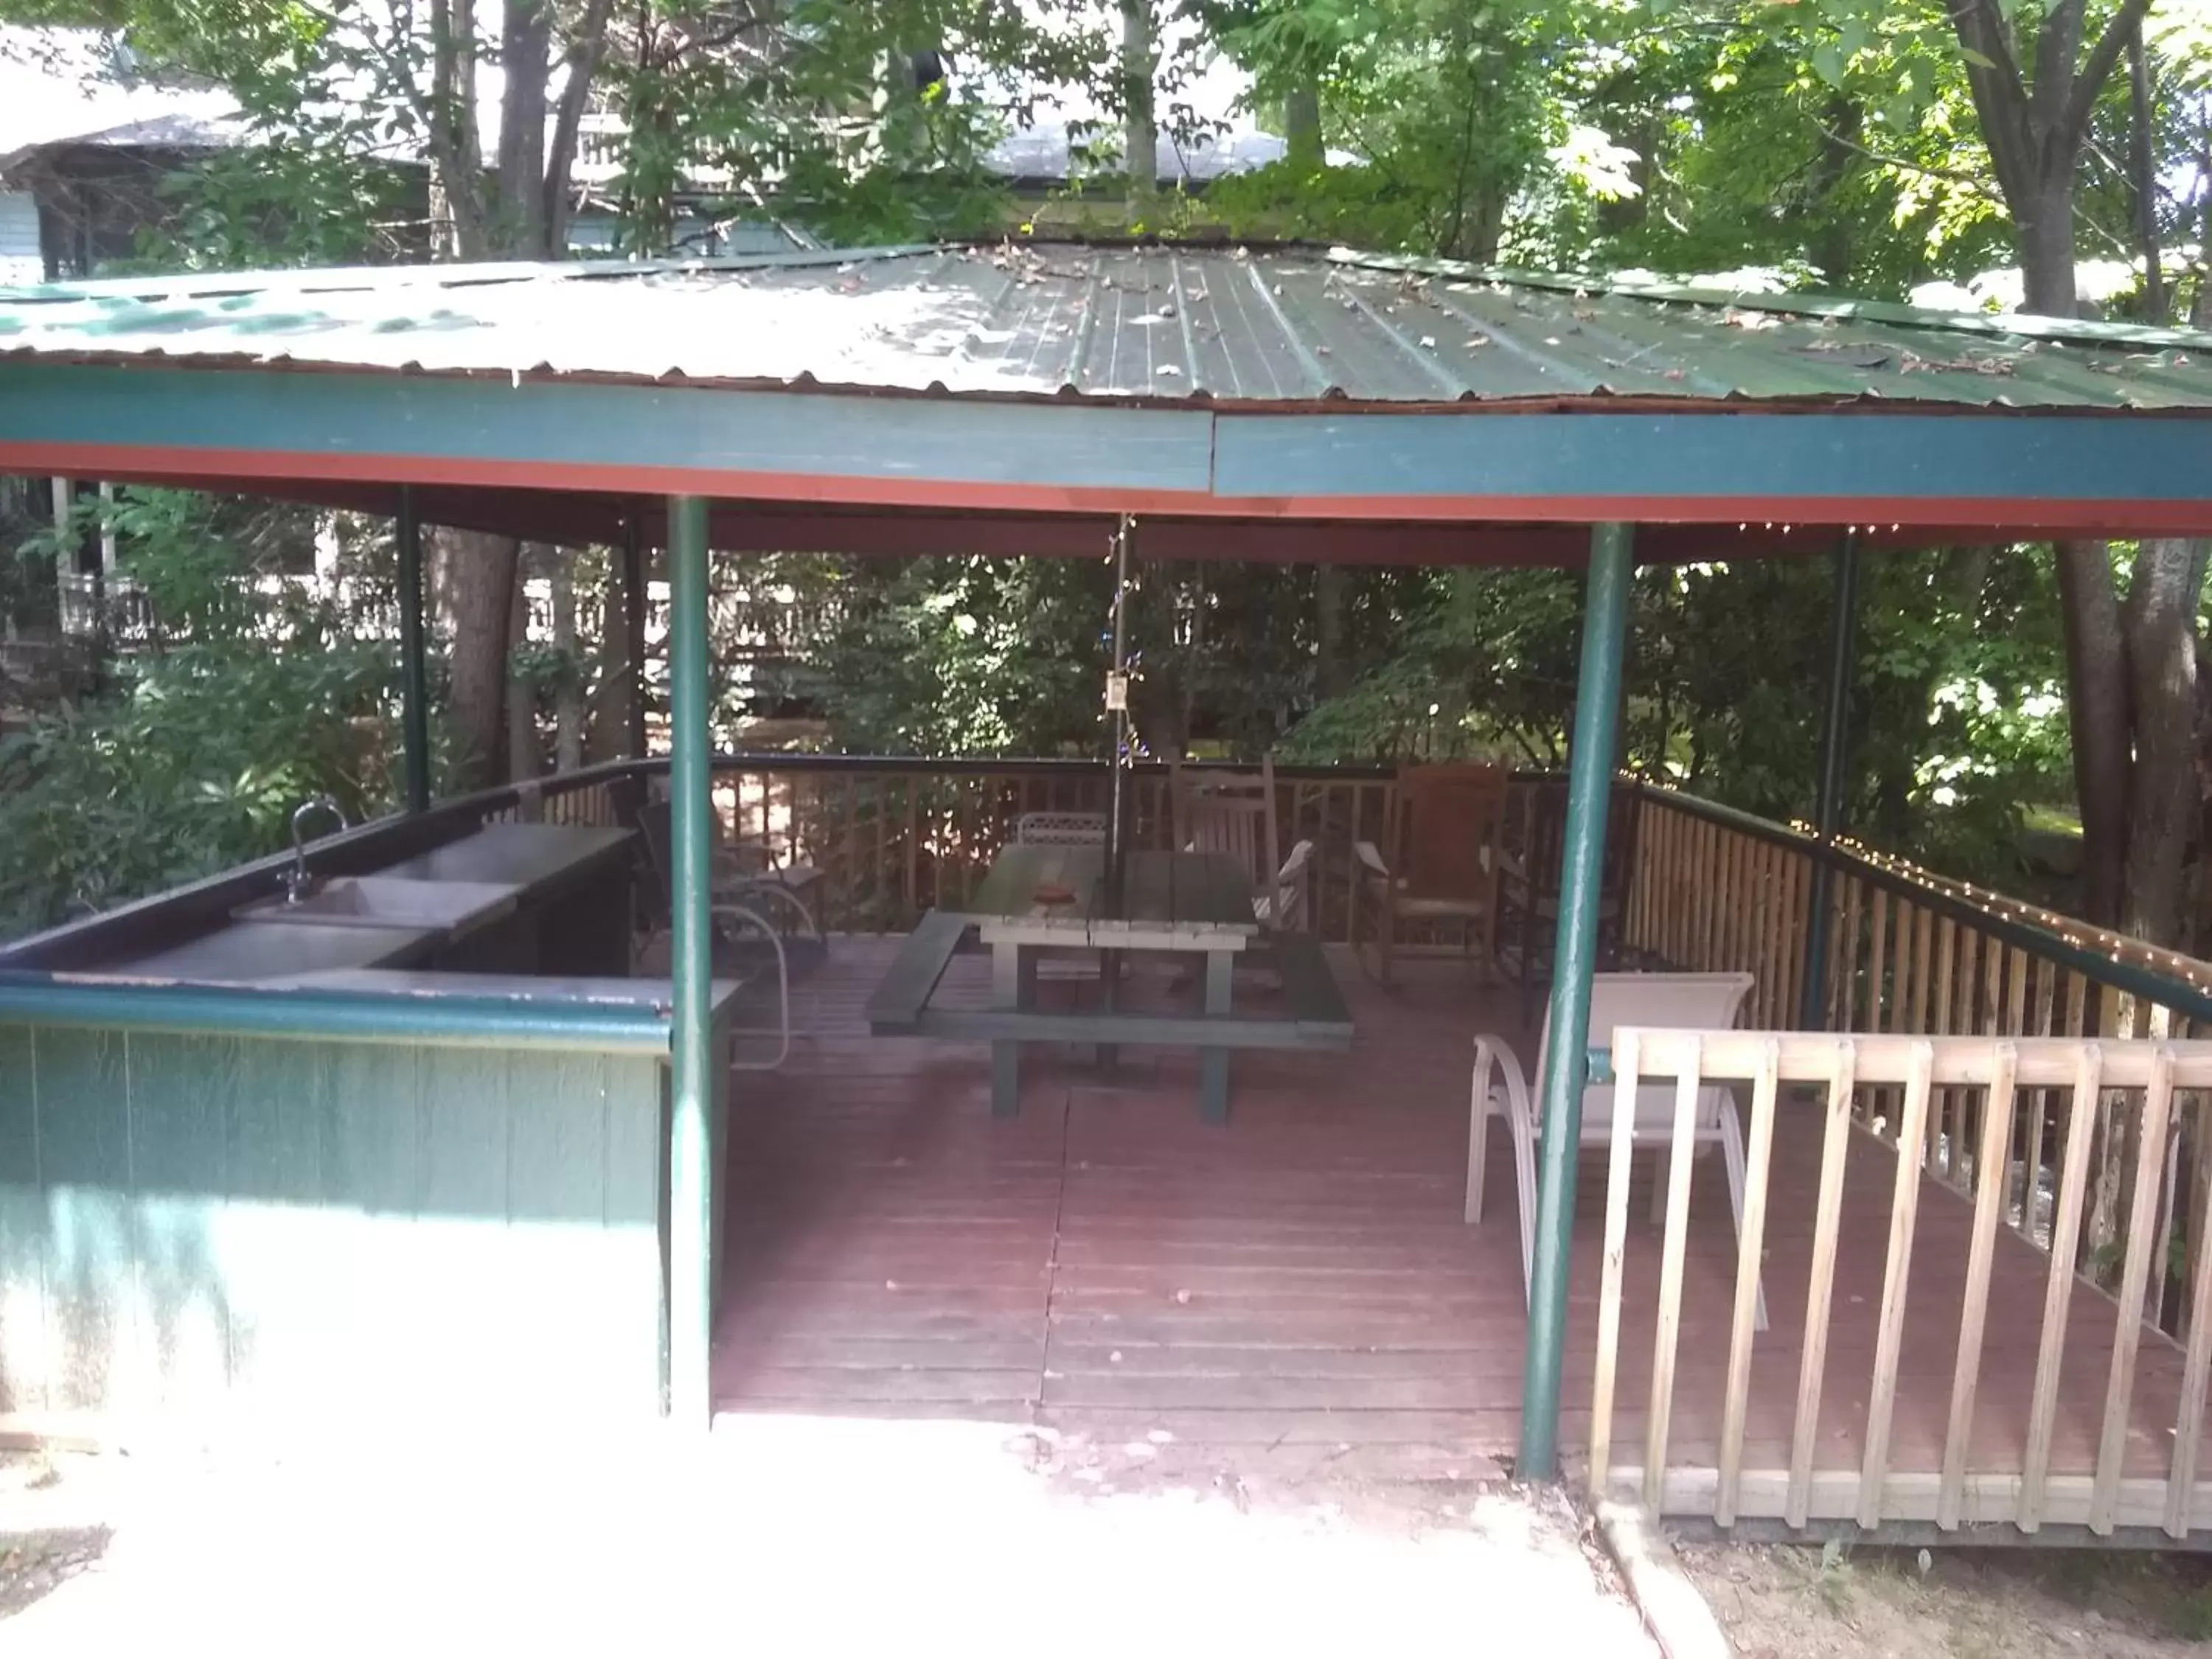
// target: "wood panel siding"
[[233, 1231]]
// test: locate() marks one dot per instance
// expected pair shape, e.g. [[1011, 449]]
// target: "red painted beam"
[[1300, 529], [580, 518]]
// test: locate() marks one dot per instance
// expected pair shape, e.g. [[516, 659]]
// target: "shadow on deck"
[[1297, 1292]]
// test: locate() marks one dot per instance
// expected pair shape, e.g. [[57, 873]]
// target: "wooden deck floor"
[[1109, 1266]]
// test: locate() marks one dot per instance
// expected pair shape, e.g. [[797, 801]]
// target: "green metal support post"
[[635, 596], [690, 1171], [1566, 1059], [1835, 726], [414, 684]]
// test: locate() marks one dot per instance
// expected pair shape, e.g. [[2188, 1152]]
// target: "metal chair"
[[1444, 829], [745, 937]]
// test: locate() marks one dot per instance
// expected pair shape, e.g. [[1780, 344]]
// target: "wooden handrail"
[[1916, 1445]]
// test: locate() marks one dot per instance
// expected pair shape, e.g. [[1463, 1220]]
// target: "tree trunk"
[[609, 736], [1331, 672], [1302, 128], [1140, 136], [1828, 230], [479, 597], [525, 45], [2142, 175], [584, 53], [569, 697], [2097, 708], [2164, 799], [2046, 248], [522, 756]]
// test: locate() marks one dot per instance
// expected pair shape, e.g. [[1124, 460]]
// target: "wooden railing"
[[894, 837], [1913, 1388], [1911, 953]]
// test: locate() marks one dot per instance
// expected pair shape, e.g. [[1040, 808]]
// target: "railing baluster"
[[1821, 1288], [1670, 1278], [1843, 983], [1351, 873], [1924, 932], [1759, 1159], [2135, 1280], [1901, 971], [1877, 968], [911, 897], [1990, 1169], [2058, 1283], [1625, 1073], [1904, 1211], [2197, 1364]]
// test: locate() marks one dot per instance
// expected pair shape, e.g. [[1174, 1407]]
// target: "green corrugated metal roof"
[[1157, 325]]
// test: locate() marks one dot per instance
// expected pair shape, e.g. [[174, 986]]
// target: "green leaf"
[[1977, 59], [1828, 63]]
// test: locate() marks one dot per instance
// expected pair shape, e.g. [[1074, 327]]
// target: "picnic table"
[[1040, 899]]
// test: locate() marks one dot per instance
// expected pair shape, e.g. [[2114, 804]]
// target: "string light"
[[2118, 948]]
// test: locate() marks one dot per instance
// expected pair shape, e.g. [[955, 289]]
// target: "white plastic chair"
[[1700, 1002]]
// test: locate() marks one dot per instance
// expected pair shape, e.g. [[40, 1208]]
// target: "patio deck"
[[1299, 1285]]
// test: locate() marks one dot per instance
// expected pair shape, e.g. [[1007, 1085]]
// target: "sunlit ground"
[[790, 1535]]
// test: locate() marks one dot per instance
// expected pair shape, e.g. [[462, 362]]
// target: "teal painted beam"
[[1835, 731], [1566, 1059], [245, 1010], [1912, 468], [414, 678], [691, 1144], [2111, 472], [385, 427]]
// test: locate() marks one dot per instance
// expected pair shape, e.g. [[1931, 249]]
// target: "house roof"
[[63, 85], [1284, 404], [1157, 325], [1047, 153]]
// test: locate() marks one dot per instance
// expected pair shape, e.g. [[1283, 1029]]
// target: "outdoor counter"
[[282, 1176]]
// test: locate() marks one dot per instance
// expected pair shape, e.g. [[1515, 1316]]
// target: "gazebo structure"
[[1276, 406]]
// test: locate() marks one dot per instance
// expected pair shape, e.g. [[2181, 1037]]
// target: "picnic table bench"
[[1040, 898]]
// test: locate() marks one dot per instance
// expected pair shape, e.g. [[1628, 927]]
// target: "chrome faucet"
[[295, 878]]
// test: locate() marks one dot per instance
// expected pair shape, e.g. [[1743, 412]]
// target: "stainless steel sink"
[[388, 902]]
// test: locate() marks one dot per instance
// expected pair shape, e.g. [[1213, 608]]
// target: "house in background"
[[86, 146], [1067, 180]]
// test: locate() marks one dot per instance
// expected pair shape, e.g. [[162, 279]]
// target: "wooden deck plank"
[[1302, 1279]]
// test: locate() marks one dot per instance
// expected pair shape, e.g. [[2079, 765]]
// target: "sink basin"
[[388, 902]]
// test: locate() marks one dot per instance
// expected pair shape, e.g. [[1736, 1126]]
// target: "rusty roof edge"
[[2012, 325], [452, 273], [1335, 404]]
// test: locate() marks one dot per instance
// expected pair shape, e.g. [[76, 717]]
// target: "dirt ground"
[[801, 1536], [1786, 1602]]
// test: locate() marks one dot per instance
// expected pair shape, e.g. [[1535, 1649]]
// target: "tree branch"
[[1985, 24], [2001, 99], [584, 51], [2104, 57], [1979, 186], [2057, 43]]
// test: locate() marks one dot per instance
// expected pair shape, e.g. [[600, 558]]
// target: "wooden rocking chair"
[[1445, 832]]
